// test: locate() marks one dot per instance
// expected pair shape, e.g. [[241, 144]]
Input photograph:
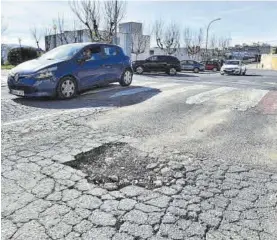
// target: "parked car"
[[233, 67], [158, 63], [66, 70], [190, 65], [212, 65]]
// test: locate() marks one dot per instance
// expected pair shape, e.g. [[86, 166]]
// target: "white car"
[[233, 67]]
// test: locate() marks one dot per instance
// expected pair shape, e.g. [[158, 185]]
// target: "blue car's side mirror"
[[81, 60]]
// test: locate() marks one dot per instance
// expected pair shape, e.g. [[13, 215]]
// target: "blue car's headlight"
[[46, 73]]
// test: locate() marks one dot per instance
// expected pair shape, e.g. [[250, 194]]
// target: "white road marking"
[[101, 90], [183, 89], [271, 83], [130, 92], [242, 99], [167, 85], [139, 83], [206, 96]]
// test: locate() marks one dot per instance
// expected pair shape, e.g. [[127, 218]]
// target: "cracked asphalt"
[[210, 140]]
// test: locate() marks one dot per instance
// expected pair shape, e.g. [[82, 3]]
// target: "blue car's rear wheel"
[[67, 88], [126, 78]]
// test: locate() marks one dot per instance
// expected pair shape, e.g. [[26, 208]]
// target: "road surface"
[[209, 141]]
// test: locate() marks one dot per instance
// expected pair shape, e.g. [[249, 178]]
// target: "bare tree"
[[114, 12], [223, 44], [60, 27], [138, 43], [75, 32], [188, 41], [47, 37], [193, 41], [4, 26], [168, 38], [64, 35], [213, 46], [88, 13], [36, 35]]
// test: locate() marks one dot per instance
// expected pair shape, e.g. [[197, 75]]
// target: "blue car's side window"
[[93, 53], [110, 51]]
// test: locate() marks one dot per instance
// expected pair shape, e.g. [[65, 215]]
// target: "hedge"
[[20, 55]]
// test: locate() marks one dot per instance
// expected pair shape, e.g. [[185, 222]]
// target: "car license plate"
[[18, 92]]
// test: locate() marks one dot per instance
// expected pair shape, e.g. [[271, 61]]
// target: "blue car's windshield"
[[63, 52]]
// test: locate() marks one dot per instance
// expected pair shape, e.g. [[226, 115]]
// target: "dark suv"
[[158, 63]]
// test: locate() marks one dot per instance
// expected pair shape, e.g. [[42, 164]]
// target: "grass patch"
[[7, 67]]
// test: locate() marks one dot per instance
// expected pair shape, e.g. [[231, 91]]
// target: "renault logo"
[[16, 77]]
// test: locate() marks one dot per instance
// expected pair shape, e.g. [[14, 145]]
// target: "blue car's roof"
[[83, 44]]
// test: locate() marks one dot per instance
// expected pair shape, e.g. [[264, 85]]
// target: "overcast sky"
[[241, 21]]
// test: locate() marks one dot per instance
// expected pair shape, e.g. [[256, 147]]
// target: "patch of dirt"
[[116, 163]]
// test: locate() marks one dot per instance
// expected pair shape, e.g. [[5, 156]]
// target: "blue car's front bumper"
[[31, 87]]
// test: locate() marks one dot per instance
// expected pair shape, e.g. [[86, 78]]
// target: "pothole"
[[116, 165]]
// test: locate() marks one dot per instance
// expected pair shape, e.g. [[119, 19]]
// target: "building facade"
[[129, 38], [132, 40], [181, 54], [245, 51]]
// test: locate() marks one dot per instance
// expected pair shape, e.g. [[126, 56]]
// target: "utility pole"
[[208, 35], [115, 22], [55, 36], [19, 41]]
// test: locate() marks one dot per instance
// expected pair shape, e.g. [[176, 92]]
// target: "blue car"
[[191, 65], [69, 69]]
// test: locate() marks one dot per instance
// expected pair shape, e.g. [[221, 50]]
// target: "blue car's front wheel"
[[67, 88]]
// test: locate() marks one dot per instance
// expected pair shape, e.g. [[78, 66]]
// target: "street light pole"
[[217, 19]]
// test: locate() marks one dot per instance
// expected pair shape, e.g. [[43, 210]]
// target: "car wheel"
[[67, 88], [214, 69], [244, 73], [139, 70], [196, 70], [126, 78], [172, 71], [222, 73]]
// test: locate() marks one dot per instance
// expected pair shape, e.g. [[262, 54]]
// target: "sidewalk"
[[257, 66], [4, 75]]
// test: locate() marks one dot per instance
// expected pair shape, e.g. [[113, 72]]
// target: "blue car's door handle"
[[106, 65]]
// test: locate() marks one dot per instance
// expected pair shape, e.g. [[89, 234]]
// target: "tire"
[[139, 70], [196, 70], [214, 69], [172, 71], [67, 88], [222, 73], [244, 73], [126, 78]]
